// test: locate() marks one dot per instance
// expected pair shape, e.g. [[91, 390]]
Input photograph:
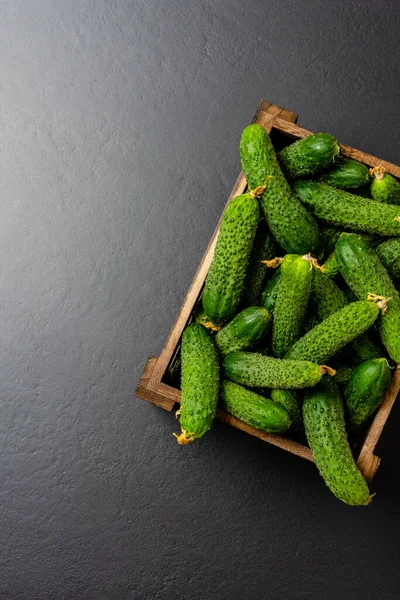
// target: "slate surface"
[[119, 132]]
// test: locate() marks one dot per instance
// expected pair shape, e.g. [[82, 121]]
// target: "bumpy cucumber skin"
[[288, 401], [253, 409], [385, 188], [365, 274], [199, 381], [364, 347], [264, 248], [347, 210], [245, 330], [326, 298], [348, 173], [291, 304], [270, 292], [309, 155], [329, 237], [331, 267], [257, 370], [343, 373], [330, 336], [389, 253], [290, 223], [365, 391], [323, 417], [225, 280]]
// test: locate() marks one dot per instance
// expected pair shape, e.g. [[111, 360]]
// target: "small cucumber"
[[389, 253], [264, 248], [253, 409], [365, 274], [347, 210], [245, 330], [326, 298], [365, 391], [199, 383], [290, 223], [270, 292], [346, 173], [330, 336], [225, 280], [289, 402], [257, 370], [330, 266], [309, 155], [323, 417], [384, 187]]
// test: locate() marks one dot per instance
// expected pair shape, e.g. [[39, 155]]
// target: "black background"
[[120, 123]]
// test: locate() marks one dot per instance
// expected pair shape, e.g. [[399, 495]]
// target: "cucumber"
[[347, 210], [291, 303], [364, 347], [329, 237], [199, 383], [330, 266], [270, 292], [326, 298], [253, 409], [343, 373], [365, 274], [389, 253], [365, 391], [264, 248], [384, 187], [346, 173], [290, 223], [225, 280], [245, 330], [289, 402], [309, 155], [330, 336], [257, 370], [323, 417]]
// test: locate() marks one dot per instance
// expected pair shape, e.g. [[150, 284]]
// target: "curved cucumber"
[[385, 187], [347, 210], [270, 292], [199, 383], [225, 280], [264, 248], [323, 417], [347, 173], [257, 370], [309, 155], [291, 303], [364, 274], [330, 336], [244, 330], [253, 409], [288, 401], [389, 253], [290, 223], [365, 390]]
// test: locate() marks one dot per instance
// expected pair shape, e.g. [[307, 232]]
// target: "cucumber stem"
[[381, 301], [325, 369], [184, 438], [313, 262], [260, 189], [378, 171], [273, 263]]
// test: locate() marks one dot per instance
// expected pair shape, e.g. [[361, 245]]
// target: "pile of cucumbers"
[[298, 327]]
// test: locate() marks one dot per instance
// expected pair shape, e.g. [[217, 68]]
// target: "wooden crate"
[[281, 124]]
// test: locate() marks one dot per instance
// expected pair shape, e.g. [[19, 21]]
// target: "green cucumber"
[[257, 370], [343, 372], [264, 248], [389, 253], [365, 391], [326, 298], [384, 187], [365, 274], [253, 409], [289, 402], [309, 155], [270, 292], [330, 266], [347, 210], [245, 330], [323, 417], [330, 336], [365, 347], [347, 173], [226, 278], [329, 237], [199, 383], [290, 223], [291, 303]]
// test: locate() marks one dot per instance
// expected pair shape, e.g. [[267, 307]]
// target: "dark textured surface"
[[119, 132]]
